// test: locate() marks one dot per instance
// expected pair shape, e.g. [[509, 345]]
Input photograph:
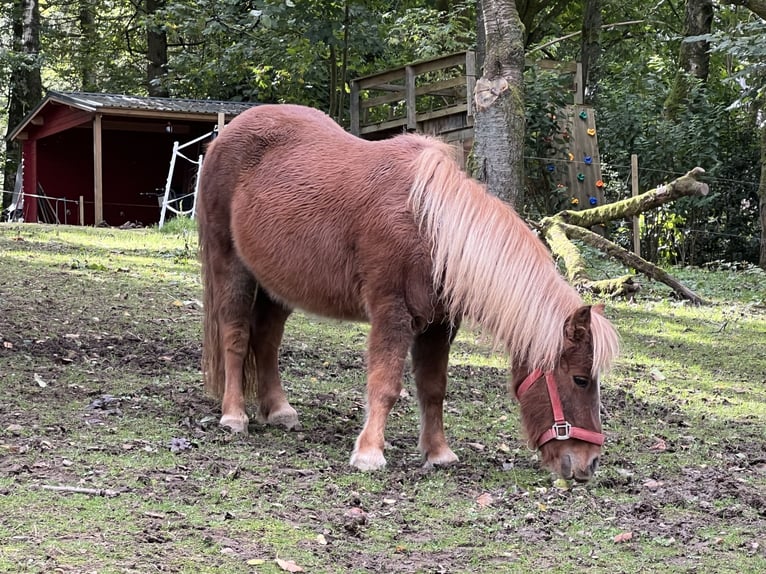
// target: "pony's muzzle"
[[580, 468]]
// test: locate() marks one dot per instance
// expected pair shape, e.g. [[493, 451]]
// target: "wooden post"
[[409, 86], [354, 108], [470, 79], [82, 210], [98, 175], [579, 94], [634, 189], [29, 182], [221, 121]]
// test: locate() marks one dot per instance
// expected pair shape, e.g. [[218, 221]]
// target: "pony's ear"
[[599, 309], [577, 326]]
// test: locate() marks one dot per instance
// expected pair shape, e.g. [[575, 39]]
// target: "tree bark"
[[156, 50], [693, 57], [497, 157], [590, 49], [762, 198], [88, 45], [26, 89], [758, 7]]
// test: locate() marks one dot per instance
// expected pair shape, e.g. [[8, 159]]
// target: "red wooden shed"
[[104, 157]]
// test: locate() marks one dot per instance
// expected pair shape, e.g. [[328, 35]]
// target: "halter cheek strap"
[[561, 429]]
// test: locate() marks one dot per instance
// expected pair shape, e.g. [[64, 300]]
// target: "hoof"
[[444, 458], [286, 417], [236, 423], [368, 461]]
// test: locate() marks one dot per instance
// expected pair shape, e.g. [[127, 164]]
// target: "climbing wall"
[[578, 165]]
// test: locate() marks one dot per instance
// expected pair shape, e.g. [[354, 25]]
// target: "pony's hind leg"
[[430, 353], [390, 338], [268, 324], [234, 332]]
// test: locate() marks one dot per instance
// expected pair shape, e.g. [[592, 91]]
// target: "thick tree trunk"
[[88, 45], [693, 57], [590, 49], [762, 198], [25, 85], [497, 157], [156, 50]]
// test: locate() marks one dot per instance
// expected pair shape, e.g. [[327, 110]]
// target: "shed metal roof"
[[116, 104]]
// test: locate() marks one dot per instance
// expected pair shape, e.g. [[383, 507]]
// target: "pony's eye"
[[581, 381]]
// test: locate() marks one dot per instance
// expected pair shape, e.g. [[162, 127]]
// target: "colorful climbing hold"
[[571, 156], [588, 160], [592, 200], [550, 167], [591, 131], [599, 183], [574, 201], [583, 115], [580, 177]]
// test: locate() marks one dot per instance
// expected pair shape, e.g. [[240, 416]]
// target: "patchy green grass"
[[100, 390]]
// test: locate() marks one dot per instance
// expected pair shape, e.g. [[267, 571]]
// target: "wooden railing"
[[406, 98]]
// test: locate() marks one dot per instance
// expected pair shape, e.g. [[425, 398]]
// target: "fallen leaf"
[[484, 500], [321, 539], [7, 344], [477, 446], [256, 562], [561, 484], [623, 537], [40, 382], [652, 484], [659, 446], [288, 565], [656, 374]]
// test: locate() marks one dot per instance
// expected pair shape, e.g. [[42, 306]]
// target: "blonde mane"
[[492, 269]]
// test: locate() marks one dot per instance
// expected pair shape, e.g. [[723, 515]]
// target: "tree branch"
[[686, 185], [628, 259]]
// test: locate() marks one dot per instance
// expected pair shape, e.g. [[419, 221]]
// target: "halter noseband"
[[561, 429]]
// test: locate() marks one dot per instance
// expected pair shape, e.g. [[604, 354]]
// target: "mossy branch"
[[627, 258], [685, 185]]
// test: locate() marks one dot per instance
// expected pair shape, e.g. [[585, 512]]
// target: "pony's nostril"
[[594, 465]]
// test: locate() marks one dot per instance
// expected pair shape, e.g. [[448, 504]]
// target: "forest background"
[[679, 83]]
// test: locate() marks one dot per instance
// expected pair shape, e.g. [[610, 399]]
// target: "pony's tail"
[[215, 292]]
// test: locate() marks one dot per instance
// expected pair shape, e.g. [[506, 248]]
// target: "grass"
[[99, 362]]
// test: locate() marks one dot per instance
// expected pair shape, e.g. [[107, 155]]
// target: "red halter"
[[561, 429]]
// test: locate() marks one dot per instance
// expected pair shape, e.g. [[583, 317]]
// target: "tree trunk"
[[762, 198], [156, 50], [693, 57], [88, 45], [498, 150], [590, 49], [26, 89]]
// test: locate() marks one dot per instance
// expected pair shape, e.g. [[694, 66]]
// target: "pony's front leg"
[[390, 338], [430, 354]]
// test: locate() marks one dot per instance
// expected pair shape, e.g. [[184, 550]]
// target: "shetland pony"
[[296, 213]]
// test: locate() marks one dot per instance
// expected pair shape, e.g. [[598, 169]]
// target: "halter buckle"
[[561, 430]]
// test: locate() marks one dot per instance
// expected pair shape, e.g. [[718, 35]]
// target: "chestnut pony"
[[296, 213]]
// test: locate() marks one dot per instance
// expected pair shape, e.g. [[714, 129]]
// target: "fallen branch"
[[560, 229], [81, 490], [686, 185], [631, 260]]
